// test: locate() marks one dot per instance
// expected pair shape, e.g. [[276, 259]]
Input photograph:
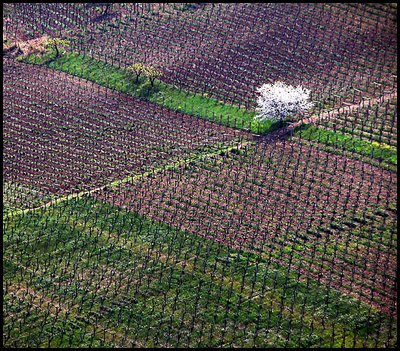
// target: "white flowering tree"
[[278, 100]]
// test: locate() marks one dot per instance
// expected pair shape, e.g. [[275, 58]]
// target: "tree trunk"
[[57, 52]]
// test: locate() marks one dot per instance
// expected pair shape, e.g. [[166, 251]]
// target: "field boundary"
[[278, 134], [290, 127], [349, 108], [133, 178]]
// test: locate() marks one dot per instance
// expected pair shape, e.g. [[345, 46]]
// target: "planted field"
[[200, 175], [280, 36], [88, 274], [76, 150], [195, 47], [289, 203], [373, 122]]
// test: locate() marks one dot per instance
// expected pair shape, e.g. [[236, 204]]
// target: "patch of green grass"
[[163, 94], [379, 151], [153, 284]]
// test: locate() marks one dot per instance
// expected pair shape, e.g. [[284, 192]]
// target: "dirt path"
[[26, 47], [343, 109], [280, 133]]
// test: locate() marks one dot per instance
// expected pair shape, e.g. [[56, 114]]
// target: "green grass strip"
[[379, 151], [166, 95]]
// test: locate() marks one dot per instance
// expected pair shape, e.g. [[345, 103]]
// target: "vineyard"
[[160, 212]]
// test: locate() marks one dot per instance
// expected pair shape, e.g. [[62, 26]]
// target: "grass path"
[[336, 142], [131, 178]]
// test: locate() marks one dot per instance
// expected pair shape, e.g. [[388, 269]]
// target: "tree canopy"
[[57, 43], [148, 71], [276, 101], [137, 69], [152, 73]]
